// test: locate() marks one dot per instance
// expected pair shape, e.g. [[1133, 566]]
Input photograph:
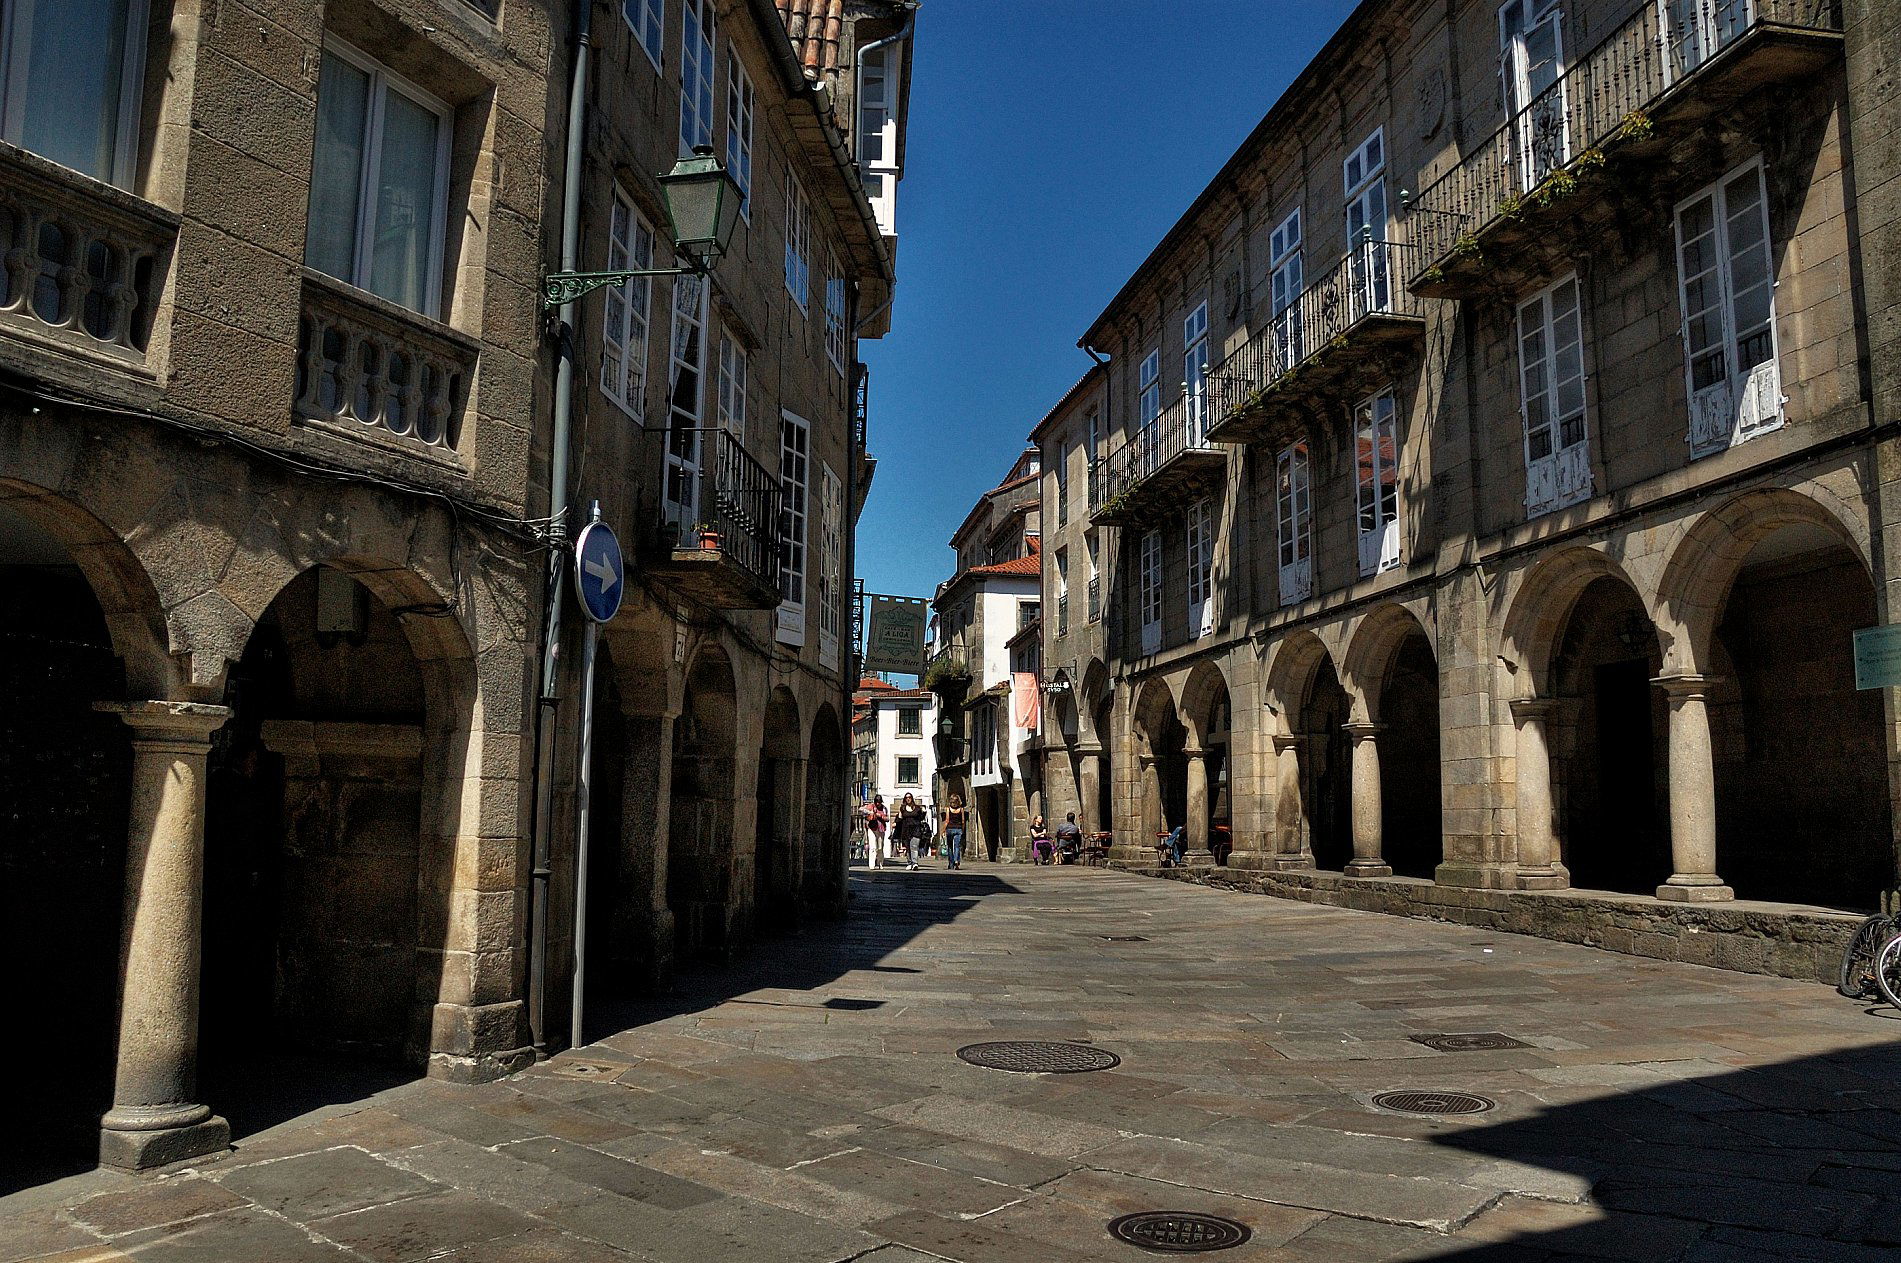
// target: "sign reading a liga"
[[894, 634]]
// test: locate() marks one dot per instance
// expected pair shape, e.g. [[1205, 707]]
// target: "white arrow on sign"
[[602, 570]]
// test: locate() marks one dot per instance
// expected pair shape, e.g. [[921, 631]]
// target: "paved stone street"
[[807, 1104]]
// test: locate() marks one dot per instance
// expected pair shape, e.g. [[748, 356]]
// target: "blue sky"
[[1052, 143]]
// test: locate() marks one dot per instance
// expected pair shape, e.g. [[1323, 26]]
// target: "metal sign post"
[[598, 573]]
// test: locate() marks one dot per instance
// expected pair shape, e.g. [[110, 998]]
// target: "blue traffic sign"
[[599, 572]]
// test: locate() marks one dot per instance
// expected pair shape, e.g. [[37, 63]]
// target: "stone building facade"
[[1497, 463], [275, 381]]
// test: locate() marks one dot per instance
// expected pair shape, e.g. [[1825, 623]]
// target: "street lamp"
[[703, 203]]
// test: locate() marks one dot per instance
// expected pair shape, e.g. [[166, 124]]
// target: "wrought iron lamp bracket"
[[560, 288]]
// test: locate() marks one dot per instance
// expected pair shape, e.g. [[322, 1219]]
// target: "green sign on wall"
[[1878, 657]]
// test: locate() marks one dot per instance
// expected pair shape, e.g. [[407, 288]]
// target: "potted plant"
[[709, 536]]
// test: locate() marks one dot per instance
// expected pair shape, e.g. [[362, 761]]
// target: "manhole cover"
[[573, 1068], [1483, 1042], [1032, 1056], [1433, 1102], [1179, 1231]]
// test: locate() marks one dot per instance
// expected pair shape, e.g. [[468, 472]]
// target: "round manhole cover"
[[1483, 1041], [1433, 1102], [1179, 1231], [1032, 1056]]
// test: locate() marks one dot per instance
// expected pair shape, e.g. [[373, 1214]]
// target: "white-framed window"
[[835, 297], [697, 73], [831, 518], [1148, 590], [1201, 570], [798, 241], [1092, 438], [71, 80], [1286, 277], [734, 370], [739, 112], [1028, 612], [1062, 483], [1726, 285], [647, 19], [624, 327], [1195, 373], [1294, 523], [795, 471], [1695, 30], [686, 391], [1551, 398], [878, 134], [1364, 178], [910, 721], [1376, 463], [1531, 82], [1094, 547], [379, 183], [1062, 592], [1148, 407], [907, 766]]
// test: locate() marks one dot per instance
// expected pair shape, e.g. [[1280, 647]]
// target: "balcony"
[[720, 528], [1341, 338], [380, 373], [1512, 208], [1162, 462], [82, 263]]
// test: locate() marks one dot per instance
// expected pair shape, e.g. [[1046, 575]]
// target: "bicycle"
[[1872, 964]]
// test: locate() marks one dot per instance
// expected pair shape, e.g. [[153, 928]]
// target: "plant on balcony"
[[1636, 126], [945, 674]]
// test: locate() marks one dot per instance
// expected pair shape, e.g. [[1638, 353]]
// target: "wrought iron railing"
[[370, 364], [861, 405], [81, 263], [1366, 282], [1600, 98], [725, 499], [1182, 427], [1095, 599]]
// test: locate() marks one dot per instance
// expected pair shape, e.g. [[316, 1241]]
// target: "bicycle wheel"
[[1888, 971], [1858, 961]]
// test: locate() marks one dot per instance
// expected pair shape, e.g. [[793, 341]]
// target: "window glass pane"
[[406, 210], [74, 61], [343, 100]]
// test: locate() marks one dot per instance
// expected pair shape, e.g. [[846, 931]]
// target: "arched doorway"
[[322, 909], [1410, 807], [1104, 805], [776, 842], [700, 848], [615, 906], [1209, 719], [1802, 802], [827, 822], [1609, 767], [1162, 791], [1326, 768], [64, 784]]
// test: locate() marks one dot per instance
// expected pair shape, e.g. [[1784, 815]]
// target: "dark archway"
[[1104, 807], [827, 820], [775, 842], [64, 787], [616, 910], [1801, 763], [1608, 739], [1326, 768], [700, 850], [1411, 819]]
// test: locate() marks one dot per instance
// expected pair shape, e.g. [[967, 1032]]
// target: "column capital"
[[1087, 749], [1362, 732], [1194, 752], [1683, 688], [1285, 741], [188, 723], [1524, 708]]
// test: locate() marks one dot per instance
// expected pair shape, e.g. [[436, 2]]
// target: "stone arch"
[[778, 816], [1393, 675], [1207, 710], [1096, 686], [827, 814], [1540, 608], [1065, 707], [1312, 763], [1290, 675], [1376, 639], [1702, 567], [700, 850], [1162, 774], [1204, 689]]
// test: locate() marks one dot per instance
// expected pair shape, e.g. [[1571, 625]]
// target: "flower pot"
[[709, 540]]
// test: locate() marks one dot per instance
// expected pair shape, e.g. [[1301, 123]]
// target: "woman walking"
[[911, 828], [877, 820], [954, 816]]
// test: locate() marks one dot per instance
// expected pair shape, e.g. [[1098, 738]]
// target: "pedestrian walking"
[[953, 822], [912, 828], [877, 820], [1042, 850]]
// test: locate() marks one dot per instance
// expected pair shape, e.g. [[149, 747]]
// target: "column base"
[[1695, 890], [1367, 868], [1198, 859], [1289, 864], [143, 1150], [1544, 877]]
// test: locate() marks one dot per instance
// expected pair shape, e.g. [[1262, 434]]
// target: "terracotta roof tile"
[[815, 27]]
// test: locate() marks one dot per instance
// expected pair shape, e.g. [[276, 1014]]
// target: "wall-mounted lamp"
[[703, 203]]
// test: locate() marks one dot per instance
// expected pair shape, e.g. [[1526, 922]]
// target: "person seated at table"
[[1175, 846], [1042, 850], [1069, 839]]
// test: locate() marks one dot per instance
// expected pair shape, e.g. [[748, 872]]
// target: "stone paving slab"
[[806, 1103]]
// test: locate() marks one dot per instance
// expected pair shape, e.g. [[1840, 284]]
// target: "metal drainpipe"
[[549, 702]]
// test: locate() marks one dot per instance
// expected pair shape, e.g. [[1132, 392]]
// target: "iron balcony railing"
[[861, 405], [1366, 282], [1181, 427], [1095, 599], [730, 501], [1602, 97]]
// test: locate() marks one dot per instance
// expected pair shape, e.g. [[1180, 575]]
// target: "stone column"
[[1291, 849], [646, 832], [1692, 795], [1367, 833], [1149, 795], [1195, 848], [1538, 866], [1089, 789], [154, 1118]]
